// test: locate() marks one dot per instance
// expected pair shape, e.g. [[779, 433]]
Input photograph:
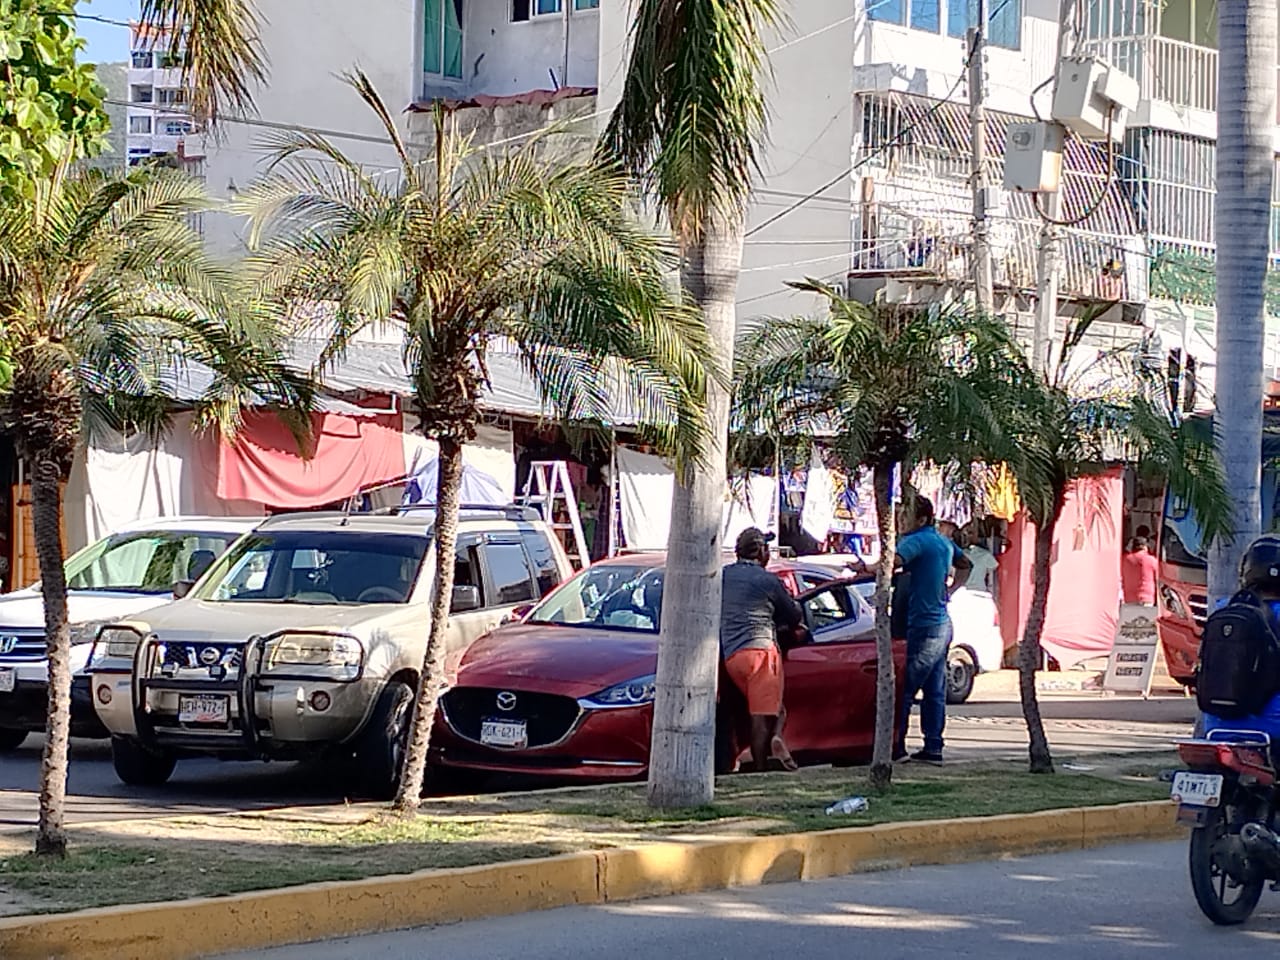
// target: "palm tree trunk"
[[1029, 651], [682, 755], [1246, 122], [46, 509], [886, 707], [448, 503]]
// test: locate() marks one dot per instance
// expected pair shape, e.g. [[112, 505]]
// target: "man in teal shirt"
[[927, 558]]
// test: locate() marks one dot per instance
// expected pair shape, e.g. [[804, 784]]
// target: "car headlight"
[[324, 656], [632, 693], [1173, 603], [82, 633], [115, 643]]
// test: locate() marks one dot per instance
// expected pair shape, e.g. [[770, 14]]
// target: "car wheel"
[[11, 740], [380, 748], [960, 673], [138, 766]]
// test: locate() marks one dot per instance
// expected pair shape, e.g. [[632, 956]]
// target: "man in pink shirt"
[[1138, 574]]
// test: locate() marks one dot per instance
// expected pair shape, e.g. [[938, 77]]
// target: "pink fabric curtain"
[[1084, 594], [264, 463]]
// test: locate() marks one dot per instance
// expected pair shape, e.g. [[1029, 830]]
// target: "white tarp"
[[645, 487], [490, 453], [646, 484], [118, 479], [819, 499]]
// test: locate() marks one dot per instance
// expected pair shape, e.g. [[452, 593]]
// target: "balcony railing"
[[1181, 74]]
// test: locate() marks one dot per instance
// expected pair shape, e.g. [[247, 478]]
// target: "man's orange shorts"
[[757, 672]]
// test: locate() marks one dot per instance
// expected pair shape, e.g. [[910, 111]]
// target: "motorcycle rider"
[[1260, 575]]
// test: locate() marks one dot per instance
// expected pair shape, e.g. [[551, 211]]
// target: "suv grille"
[[549, 717], [195, 656], [26, 647]]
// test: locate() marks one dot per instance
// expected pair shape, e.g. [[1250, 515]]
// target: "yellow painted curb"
[[186, 929]]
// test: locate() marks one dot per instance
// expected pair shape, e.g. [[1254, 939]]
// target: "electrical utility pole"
[[977, 47], [1049, 257]]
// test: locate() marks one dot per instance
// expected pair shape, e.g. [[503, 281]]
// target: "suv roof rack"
[[510, 511]]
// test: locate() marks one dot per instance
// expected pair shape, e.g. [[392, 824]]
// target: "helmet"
[[1260, 565]]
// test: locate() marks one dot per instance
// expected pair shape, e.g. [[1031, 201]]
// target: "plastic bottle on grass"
[[848, 806]]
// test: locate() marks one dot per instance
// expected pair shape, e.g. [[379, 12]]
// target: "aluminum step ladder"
[[549, 490]]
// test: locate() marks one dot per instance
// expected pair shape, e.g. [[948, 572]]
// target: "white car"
[[120, 576], [977, 647]]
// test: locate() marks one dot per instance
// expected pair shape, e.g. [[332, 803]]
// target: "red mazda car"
[[568, 692]]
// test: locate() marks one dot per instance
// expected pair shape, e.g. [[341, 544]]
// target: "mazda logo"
[[210, 655], [506, 700], [10, 644]]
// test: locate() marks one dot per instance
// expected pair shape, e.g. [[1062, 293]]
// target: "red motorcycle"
[[1229, 798]]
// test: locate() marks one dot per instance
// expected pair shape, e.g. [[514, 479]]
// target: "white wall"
[[310, 42], [502, 58]]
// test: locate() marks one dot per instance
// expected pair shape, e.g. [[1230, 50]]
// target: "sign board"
[[1133, 657]]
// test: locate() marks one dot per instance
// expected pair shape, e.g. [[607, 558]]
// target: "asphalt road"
[[1076, 726], [1114, 902]]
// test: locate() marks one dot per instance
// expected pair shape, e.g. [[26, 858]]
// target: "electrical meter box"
[[1088, 93], [1033, 157]]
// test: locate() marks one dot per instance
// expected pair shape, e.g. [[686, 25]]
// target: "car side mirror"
[[182, 588], [465, 597], [519, 613]]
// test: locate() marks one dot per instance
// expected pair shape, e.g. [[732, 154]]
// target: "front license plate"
[[504, 733], [8, 679], [203, 709], [1197, 789]]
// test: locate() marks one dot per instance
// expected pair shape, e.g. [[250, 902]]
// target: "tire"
[[1210, 884], [960, 673], [380, 746], [138, 766], [11, 740]]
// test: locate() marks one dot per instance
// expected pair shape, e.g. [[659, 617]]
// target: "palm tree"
[[1070, 423], [892, 386], [691, 113], [463, 250], [1246, 120], [221, 54], [104, 289]]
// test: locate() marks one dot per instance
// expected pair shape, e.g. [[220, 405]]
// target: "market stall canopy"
[[478, 488]]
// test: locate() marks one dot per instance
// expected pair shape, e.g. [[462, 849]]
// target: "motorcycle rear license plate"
[[1197, 789], [504, 733], [203, 709], [8, 679]]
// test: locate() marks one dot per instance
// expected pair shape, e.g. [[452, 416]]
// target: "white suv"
[[124, 574], [307, 638]]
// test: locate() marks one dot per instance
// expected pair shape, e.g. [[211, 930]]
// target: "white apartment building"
[[158, 122], [865, 174]]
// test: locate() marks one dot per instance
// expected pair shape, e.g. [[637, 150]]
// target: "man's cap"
[[751, 540]]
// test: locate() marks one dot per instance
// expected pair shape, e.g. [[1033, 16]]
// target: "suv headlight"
[[115, 643], [319, 655], [85, 632], [632, 693]]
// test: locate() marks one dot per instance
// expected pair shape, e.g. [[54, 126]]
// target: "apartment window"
[[1004, 22], [141, 59], [140, 95], [918, 14], [442, 40], [176, 128], [522, 10], [170, 96], [139, 124]]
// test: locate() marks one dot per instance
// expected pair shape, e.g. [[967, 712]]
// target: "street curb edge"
[[186, 929]]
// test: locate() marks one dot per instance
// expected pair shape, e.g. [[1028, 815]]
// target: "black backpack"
[[1239, 670]]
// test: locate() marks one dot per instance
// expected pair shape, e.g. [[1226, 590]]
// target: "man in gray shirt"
[[754, 604]]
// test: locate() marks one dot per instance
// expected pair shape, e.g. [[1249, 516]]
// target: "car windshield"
[[615, 595], [318, 567], [146, 563]]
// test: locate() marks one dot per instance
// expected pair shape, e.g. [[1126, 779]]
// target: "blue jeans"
[[926, 673]]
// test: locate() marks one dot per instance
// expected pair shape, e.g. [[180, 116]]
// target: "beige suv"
[[306, 639]]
